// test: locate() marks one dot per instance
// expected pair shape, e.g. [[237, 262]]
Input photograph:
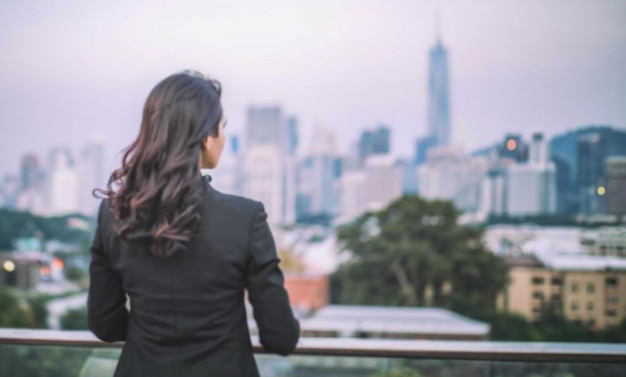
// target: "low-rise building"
[[18, 271], [610, 241], [382, 322], [586, 288]]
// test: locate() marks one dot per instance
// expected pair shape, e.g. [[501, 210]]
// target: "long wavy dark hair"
[[155, 194]]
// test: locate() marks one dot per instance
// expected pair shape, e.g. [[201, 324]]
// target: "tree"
[[12, 312], [75, 319], [414, 253], [39, 311], [14, 225]]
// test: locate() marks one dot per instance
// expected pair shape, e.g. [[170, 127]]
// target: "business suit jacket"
[[187, 313]]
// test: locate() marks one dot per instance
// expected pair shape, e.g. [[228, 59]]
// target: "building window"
[[590, 288], [557, 281], [537, 280], [575, 288], [611, 313], [574, 306], [538, 295], [612, 300], [612, 281], [590, 306]]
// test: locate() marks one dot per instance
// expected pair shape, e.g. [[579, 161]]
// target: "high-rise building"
[[293, 135], [351, 160], [438, 95], [422, 146], [565, 150], [227, 177], [62, 183], [449, 175], [384, 179], [353, 194], [268, 157], [372, 188], [493, 191], [615, 185], [264, 179], [9, 189], [267, 126], [590, 172], [374, 142], [439, 118], [316, 187], [514, 148], [317, 194], [409, 177], [30, 173], [531, 187], [91, 175]]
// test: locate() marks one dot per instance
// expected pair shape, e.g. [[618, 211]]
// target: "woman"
[[182, 252]]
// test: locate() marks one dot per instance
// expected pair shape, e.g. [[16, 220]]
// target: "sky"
[[74, 70]]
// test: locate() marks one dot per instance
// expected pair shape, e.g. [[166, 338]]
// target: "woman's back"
[[188, 316], [184, 266]]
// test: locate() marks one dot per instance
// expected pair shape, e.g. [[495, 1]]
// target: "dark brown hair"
[[155, 194]]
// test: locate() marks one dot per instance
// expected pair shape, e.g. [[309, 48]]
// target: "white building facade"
[[63, 186], [448, 174], [531, 187]]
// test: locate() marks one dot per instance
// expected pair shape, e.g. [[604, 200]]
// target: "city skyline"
[[90, 69]]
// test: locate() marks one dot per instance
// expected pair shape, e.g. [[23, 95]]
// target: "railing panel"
[[34, 353]]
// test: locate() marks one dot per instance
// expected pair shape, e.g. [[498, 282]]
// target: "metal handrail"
[[431, 349]]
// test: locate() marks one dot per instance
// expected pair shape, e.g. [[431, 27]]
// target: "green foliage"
[[14, 225], [39, 311], [514, 327], [74, 274], [74, 320], [413, 247], [13, 313], [398, 372], [42, 361]]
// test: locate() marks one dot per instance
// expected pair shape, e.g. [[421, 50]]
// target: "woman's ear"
[[207, 143]]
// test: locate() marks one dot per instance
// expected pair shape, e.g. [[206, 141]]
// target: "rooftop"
[[352, 320], [583, 262]]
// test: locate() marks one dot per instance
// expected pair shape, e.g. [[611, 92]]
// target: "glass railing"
[[77, 353]]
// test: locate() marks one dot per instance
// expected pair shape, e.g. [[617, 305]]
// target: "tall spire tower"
[[438, 90]]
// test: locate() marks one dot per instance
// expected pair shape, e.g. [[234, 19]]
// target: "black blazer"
[[187, 314]]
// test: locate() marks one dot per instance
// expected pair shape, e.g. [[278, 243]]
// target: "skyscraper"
[[615, 171], [438, 96], [374, 142], [571, 152], [91, 175], [227, 175], [448, 174], [269, 171], [438, 120], [317, 177], [267, 126], [30, 172], [293, 136], [63, 183], [531, 186]]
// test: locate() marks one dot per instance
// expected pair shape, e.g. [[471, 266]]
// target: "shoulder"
[[237, 205], [104, 211]]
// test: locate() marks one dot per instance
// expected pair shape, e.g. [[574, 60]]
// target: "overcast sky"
[[70, 70]]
